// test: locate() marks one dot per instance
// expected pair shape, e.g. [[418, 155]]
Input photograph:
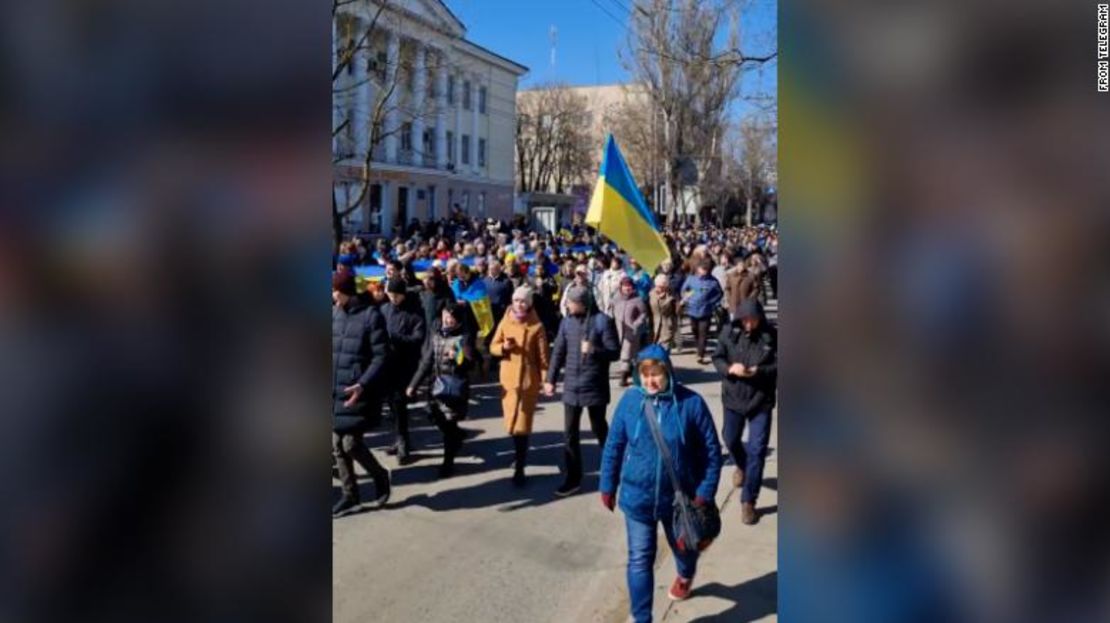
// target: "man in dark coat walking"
[[586, 344], [359, 347], [404, 321], [499, 288], [746, 356]]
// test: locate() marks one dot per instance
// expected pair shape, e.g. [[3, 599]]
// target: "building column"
[[474, 125], [458, 120], [441, 111], [391, 126], [389, 203], [359, 111], [419, 89]]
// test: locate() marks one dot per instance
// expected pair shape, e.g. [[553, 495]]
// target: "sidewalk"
[[737, 577]]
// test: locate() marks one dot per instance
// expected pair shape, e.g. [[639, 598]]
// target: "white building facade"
[[424, 121]]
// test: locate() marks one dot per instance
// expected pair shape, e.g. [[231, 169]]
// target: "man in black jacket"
[[500, 290], [747, 357], [359, 347], [404, 321], [586, 344]]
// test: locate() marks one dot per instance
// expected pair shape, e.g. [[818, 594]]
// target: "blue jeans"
[[749, 456], [642, 538]]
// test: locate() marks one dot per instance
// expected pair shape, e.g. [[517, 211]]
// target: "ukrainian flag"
[[618, 211], [365, 275], [478, 299]]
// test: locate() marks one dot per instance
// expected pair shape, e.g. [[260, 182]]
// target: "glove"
[[607, 501]]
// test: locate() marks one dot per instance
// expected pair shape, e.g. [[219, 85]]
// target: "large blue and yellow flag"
[[617, 210], [475, 295]]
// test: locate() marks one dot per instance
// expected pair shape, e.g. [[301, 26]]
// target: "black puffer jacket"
[[759, 348], [586, 380], [405, 325], [359, 345]]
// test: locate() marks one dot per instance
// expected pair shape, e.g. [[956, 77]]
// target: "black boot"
[[452, 440], [520, 450], [382, 488], [345, 506], [401, 450]]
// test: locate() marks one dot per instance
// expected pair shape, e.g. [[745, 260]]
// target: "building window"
[[482, 100], [466, 202], [377, 65], [450, 147], [466, 95], [466, 149], [345, 45], [428, 142], [482, 204], [376, 134], [451, 90], [481, 152], [406, 136]]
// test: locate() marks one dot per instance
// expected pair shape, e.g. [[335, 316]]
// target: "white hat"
[[524, 293]]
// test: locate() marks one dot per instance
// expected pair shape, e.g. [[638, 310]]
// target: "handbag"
[[448, 388], [692, 524]]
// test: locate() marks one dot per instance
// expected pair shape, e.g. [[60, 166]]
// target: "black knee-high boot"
[[520, 448], [452, 441]]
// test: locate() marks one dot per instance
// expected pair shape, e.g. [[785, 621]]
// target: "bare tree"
[[639, 131], [358, 46], [755, 156], [687, 54], [554, 148]]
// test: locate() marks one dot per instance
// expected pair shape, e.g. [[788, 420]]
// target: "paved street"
[[475, 548]]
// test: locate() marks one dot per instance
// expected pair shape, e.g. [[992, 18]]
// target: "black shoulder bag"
[[692, 524]]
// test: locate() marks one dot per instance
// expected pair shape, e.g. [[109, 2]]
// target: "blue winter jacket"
[[705, 295], [632, 461]]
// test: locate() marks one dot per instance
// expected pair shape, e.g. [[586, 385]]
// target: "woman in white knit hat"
[[521, 342]]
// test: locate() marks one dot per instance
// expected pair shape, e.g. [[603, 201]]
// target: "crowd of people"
[[566, 304]]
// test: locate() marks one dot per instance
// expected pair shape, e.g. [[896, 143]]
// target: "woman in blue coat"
[[701, 294], [632, 463]]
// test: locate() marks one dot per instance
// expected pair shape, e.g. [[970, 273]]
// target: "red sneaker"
[[680, 590]]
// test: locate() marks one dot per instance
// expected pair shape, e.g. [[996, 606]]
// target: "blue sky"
[[588, 38]]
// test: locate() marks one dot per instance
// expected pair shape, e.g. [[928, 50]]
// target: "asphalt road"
[[475, 548]]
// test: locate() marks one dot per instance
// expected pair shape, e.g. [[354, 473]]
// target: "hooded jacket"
[[632, 463], [748, 395]]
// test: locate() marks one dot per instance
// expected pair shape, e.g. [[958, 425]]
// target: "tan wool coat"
[[664, 318], [522, 369]]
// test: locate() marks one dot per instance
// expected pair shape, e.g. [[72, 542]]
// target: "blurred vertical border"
[[164, 246], [945, 304]]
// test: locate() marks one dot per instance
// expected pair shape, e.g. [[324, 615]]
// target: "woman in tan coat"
[[521, 343], [664, 313]]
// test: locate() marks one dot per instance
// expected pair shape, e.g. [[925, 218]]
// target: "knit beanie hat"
[[343, 281]]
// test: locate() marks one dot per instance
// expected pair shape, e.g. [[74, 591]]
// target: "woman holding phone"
[[521, 343]]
